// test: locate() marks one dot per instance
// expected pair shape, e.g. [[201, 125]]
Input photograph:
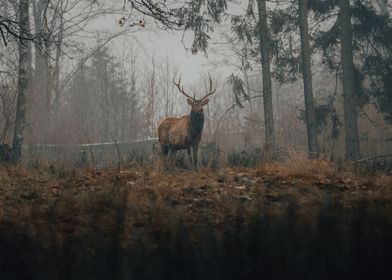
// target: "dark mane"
[[197, 121]]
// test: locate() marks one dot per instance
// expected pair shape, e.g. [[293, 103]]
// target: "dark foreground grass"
[[301, 220]]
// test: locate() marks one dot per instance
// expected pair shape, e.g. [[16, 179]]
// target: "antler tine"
[[181, 88], [210, 91]]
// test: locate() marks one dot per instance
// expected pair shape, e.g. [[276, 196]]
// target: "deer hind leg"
[[172, 157], [165, 153]]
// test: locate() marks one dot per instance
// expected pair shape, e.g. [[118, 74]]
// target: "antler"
[[210, 91], [181, 88]]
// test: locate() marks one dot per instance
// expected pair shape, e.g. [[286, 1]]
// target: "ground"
[[302, 218]]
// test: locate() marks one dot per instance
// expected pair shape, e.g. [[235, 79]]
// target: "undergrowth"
[[302, 219]]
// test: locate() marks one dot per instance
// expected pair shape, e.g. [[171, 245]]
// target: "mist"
[[197, 139]]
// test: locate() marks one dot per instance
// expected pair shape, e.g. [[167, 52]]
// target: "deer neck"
[[197, 121]]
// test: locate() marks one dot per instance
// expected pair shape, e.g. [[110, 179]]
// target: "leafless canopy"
[[12, 27], [181, 89]]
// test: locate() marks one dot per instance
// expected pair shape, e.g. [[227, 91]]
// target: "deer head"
[[196, 104]]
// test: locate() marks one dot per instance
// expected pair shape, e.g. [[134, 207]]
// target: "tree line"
[[287, 40]]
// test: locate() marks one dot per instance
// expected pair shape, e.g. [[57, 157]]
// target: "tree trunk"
[[23, 81], [106, 104], [307, 78], [41, 82], [267, 89], [349, 97], [151, 103], [58, 57], [56, 73]]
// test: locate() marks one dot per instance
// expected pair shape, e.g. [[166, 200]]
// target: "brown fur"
[[183, 133], [174, 131]]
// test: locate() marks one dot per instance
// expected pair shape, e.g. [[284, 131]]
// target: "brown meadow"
[[302, 218]]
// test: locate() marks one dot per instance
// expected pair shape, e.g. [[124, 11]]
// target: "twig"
[[372, 157], [120, 161]]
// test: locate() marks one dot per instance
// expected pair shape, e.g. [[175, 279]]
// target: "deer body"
[[180, 133], [185, 132]]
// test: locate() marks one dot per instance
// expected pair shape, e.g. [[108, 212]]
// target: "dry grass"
[[144, 210]]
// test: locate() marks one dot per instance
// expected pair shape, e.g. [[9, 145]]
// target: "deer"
[[184, 133]]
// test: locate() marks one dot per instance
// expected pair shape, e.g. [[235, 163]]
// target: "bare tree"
[[7, 107], [168, 70], [63, 22], [23, 81], [12, 29], [151, 102]]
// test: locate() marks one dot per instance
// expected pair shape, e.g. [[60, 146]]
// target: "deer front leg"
[[195, 148], [188, 151]]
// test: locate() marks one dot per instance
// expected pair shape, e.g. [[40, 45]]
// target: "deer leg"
[[188, 151], [195, 148], [172, 157], [165, 153]]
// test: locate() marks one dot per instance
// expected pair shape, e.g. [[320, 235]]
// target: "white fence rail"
[[95, 154]]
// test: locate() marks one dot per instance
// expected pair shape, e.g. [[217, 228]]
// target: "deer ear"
[[190, 101], [204, 102]]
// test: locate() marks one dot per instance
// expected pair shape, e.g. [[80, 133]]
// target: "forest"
[[226, 139]]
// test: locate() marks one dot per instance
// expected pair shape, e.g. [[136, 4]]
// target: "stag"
[[184, 133]]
